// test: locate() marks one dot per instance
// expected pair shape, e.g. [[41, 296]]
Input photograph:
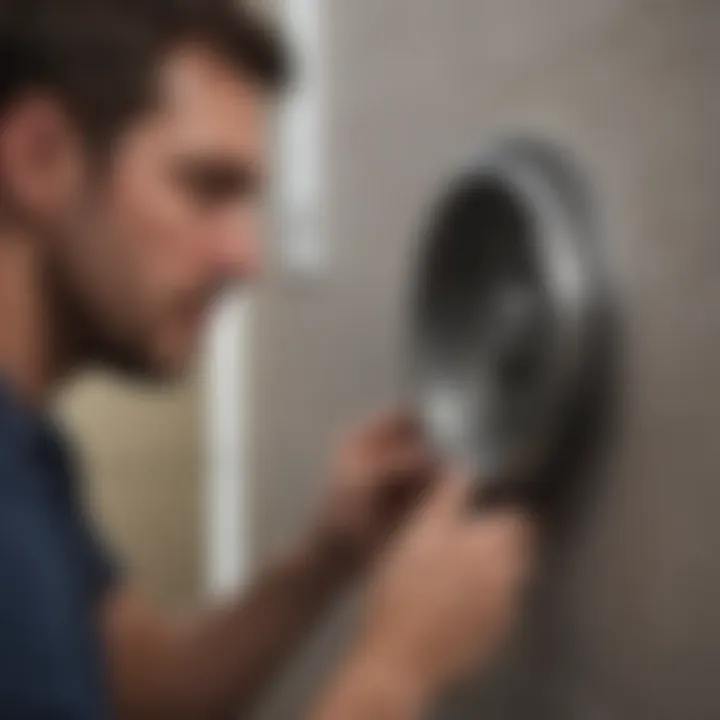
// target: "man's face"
[[172, 221]]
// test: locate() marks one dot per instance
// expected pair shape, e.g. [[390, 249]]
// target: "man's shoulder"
[[42, 625]]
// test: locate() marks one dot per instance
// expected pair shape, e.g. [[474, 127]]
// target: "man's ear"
[[41, 160]]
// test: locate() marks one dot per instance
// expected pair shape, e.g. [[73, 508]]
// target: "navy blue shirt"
[[53, 573]]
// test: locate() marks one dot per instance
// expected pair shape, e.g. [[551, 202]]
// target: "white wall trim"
[[227, 375], [302, 145]]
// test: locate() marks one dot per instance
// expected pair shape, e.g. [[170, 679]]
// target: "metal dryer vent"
[[512, 330]]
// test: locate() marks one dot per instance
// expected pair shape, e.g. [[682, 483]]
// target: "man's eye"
[[219, 184]]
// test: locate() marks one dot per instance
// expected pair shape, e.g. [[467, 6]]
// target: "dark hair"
[[99, 57]]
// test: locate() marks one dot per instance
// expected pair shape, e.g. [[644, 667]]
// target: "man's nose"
[[241, 254]]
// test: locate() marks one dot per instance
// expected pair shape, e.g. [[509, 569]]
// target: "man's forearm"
[[237, 650], [216, 663], [368, 688]]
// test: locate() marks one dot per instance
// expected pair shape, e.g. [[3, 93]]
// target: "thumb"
[[450, 496], [509, 537]]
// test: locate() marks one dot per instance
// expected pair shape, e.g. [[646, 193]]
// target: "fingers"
[[396, 448], [390, 443], [508, 527], [505, 540], [392, 428], [509, 534], [449, 498], [406, 459]]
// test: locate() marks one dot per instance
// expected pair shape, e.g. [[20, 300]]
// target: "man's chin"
[[169, 371], [150, 369]]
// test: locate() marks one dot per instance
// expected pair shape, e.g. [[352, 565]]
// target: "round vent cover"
[[509, 297]]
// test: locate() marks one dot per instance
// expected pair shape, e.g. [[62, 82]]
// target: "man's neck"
[[34, 353]]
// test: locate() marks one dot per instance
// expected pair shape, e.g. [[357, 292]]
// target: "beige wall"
[[629, 626], [141, 452]]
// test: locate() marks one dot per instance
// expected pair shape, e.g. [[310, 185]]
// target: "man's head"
[[132, 157]]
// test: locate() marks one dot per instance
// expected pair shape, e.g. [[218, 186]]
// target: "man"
[[133, 155]]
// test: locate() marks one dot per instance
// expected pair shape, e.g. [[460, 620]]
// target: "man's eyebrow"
[[220, 173]]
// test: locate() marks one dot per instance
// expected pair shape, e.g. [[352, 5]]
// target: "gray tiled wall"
[[629, 626]]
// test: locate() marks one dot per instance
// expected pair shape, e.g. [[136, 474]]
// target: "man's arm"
[[368, 688], [217, 662], [214, 664], [445, 599], [446, 595], [445, 590]]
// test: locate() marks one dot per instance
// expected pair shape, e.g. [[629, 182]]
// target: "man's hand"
[[446, 596], [377, 475], [448, 592], [214, 664]]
